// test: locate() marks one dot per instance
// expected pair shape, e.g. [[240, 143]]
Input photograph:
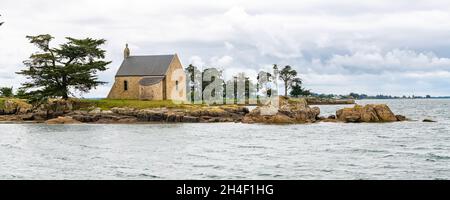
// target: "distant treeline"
[[380, 96]]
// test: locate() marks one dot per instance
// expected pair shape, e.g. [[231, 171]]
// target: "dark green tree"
[[21, 94], [6, 92], [354, 95], [56, 71], [297, 89], [287, 74]]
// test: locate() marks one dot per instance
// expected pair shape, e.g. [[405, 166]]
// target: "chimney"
[[126, 52]]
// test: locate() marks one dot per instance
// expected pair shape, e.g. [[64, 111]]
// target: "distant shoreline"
[[403, 98]]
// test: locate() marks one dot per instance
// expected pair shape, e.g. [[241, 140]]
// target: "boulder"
[[368, 113], [428, 120], [127, 120], [401, 118], [62, 120], [148, 115], [190, 119], [288, 111], [95, 111], [124, 111]]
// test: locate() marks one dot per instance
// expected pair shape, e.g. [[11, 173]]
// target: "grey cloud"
[[377, 45]]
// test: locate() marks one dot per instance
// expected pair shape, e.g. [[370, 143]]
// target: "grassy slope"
[[107, 104], [16, 102], [2, 103]]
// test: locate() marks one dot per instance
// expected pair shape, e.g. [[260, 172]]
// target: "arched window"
[[125, 85], [176, 85]]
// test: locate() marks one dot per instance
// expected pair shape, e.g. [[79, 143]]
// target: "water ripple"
[[410, 150]]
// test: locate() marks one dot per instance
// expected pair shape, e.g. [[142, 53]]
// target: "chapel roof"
[[151, 65]]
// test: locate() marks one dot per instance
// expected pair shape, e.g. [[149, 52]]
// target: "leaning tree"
[[58, 71], [287, 75]]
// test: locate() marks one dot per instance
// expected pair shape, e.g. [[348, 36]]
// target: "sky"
[[374, 47]]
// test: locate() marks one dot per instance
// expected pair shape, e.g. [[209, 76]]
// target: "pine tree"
[[6, 92], [56, 71], [297, 89]]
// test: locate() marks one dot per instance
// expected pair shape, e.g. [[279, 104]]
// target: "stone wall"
[[134, 89], [151, 92], [176, 73]]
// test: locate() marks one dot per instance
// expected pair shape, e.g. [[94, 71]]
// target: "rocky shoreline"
[[289, 111], [65, 112]]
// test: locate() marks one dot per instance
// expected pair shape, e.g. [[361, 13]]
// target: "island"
[[289, 111]]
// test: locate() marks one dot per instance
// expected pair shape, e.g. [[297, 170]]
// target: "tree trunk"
[[285, 88], [66, 91]]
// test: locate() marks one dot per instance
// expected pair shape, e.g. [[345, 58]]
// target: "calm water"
[[404, 150]]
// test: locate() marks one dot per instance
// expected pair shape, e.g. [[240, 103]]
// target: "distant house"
[[152, 77]]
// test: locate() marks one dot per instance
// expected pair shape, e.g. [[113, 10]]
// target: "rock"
[[193, 114], [27, 117], [190, 119], [95, 111], [329, 120], [171, 117], [367, 113], [62, 120], [213, 120], [331, 117], [227, 120], [401, 118], [128, 120], [384, 113], [124, 111], [179, 118], [234, 109], [54, 108], [288, 111], [107, 112], [428, 120], [148, 115]]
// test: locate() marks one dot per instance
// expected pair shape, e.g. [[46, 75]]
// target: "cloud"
[[368, 46], [221, 62], [394, 61]]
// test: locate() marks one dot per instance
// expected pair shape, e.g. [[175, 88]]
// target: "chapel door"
[[145, 93]]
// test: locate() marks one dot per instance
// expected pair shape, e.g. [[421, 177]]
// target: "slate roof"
[[154, 65], [147, 81]]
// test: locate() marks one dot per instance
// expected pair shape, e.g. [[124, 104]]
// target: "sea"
[[400, 150]]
